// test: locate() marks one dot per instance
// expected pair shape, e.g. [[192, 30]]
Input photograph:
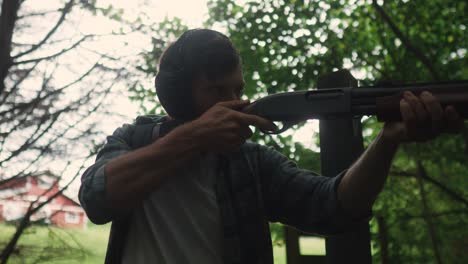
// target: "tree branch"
[[38, 14], [66, 9], [23, 77], [426, 212], [441, 186], [54, 119], [437, 214], [33, 103], [406, 42], [22, 111], [34, 139], [53, 55], [406, 216]]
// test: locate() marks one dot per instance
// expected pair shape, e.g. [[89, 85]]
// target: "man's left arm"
[[422, 119]]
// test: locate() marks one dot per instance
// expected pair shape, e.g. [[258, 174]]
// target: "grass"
[[312, 246], [307, 246], [42, 244]]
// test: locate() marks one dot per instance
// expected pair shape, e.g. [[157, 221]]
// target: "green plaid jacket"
[[255, 185]]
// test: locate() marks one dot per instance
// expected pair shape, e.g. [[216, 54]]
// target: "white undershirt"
[[179, 222]]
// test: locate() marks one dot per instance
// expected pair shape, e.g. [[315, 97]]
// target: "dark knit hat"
[[197, 52]]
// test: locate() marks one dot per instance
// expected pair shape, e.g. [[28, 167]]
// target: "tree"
[[54, 81]]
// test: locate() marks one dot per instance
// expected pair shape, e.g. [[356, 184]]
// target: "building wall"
[[37, 187], [62, 211], [1, 213], [68, 219]]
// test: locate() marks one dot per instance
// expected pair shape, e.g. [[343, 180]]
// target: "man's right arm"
[[128, 178], [121, 177]]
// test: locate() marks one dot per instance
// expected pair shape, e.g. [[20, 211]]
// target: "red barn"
[[17, 194]]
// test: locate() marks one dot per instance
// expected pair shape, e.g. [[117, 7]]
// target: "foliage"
[[162, 34], [287, 44]]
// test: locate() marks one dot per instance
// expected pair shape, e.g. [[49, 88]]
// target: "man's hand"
[[422, 119], [224, 128]]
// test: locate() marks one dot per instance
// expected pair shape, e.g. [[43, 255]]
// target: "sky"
[[192, 12]]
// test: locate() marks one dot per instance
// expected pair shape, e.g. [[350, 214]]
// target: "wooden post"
[[340, 145]]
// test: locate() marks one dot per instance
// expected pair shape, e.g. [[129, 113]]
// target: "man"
[[202, 194]]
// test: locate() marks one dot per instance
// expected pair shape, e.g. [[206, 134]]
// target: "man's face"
[[207, 92]]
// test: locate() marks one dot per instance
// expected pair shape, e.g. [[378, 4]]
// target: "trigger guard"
[[286, 125]]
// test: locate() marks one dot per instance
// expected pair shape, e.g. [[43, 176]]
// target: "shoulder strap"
[[117, 236], [146, 131], [142, 135], [167, 127]]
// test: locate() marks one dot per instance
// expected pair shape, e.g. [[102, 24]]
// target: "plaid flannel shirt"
[[255, 185]]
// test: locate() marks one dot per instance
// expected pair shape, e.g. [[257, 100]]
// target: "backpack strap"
[[117, 237], [166, 127], [146, 131], [142, 135]]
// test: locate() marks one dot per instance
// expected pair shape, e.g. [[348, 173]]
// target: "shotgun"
[[291, 108]]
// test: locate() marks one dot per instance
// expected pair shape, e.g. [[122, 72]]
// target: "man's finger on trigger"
[[263, 124], [260, 122]]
